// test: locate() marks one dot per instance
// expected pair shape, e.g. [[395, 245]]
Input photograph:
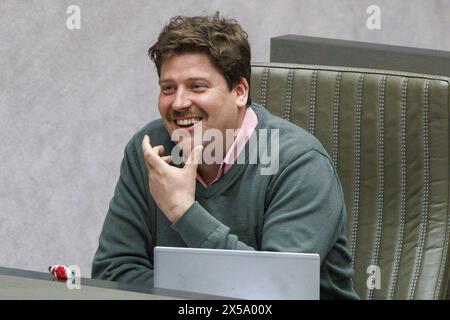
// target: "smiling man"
[[203, 64]]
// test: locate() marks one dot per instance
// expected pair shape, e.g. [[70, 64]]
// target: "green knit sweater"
[[300, 208]]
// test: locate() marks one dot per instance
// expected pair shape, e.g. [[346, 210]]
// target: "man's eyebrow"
[[161, 81], [198, 78]]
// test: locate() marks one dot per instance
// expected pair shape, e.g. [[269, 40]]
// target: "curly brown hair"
[[223, 40]]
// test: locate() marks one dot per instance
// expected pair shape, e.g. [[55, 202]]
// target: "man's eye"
[[167, 89], [198, 86]]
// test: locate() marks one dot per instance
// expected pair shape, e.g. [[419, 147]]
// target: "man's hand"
[[172, 188]]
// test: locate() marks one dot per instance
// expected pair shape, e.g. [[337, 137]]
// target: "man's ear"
[[242, 90]]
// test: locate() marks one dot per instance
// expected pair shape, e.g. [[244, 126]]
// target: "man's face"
[[195, 95]]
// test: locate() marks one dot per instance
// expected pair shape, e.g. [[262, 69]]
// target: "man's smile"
[[187, 122]]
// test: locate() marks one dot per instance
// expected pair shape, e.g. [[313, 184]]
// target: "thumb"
[[195, 158]]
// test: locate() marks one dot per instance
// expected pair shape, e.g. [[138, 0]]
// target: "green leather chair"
[[388, 135]]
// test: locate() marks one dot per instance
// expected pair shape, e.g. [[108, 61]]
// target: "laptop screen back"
[[238, 274]]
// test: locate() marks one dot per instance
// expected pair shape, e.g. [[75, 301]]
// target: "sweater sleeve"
[[125, 246], [199, 229]]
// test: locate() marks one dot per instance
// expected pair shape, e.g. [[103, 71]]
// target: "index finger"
[[150, 156]]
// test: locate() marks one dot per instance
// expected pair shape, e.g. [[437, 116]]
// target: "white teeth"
[[186, 122]]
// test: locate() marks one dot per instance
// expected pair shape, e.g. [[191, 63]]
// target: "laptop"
[[237, 273]]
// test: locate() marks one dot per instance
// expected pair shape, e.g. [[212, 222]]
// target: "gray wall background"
[[71, 99]]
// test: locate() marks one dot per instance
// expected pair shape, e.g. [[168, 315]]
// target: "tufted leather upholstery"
[[388, 135]]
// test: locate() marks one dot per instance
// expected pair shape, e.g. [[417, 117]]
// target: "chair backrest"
[[388, 135]]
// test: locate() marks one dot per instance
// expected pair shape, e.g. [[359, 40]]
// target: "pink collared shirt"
[[248, 126]]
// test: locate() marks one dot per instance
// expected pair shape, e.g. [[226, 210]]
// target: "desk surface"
[[31, 285]]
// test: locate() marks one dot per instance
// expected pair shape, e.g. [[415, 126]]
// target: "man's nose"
[[182, 100]]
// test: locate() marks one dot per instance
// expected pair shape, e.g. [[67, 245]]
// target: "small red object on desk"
[[60, 271]]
